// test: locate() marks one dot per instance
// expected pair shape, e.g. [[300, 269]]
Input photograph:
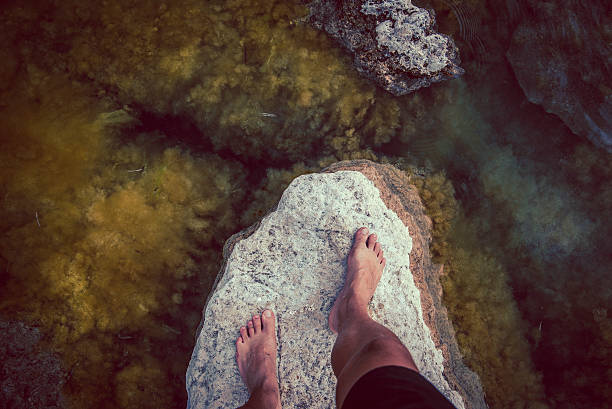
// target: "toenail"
[[268, 313], [255, 317], [364, 231]]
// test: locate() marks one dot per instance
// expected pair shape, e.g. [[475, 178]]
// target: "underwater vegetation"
[[269, 192], [438, 196], [542, 229], [492, 339], [112, 225], [109, 248], [222, 64], [542, 226]]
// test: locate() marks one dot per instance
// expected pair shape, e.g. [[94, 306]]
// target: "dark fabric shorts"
[[394, 387]]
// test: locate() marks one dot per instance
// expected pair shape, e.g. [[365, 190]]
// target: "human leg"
[[362, 344]]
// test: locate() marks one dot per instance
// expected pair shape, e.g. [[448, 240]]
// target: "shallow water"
[[136, 139]]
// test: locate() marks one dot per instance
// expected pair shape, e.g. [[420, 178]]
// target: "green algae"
[[492, 339], [225, 65], [112, 232], [531, 229], [108, 251]]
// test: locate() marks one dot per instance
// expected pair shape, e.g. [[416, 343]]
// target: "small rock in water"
[[393, 42]]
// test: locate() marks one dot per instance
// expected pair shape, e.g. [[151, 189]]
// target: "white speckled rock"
[[393, 42], [407, 33], [294, 263]]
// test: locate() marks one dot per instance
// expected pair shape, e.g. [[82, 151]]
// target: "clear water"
[[137, 136]]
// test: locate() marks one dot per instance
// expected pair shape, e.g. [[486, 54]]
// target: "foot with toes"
[[256, 345], [364, 270], [256, 358]]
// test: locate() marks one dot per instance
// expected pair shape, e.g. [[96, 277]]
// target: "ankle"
[[265, 387], [357, 298], [265, 396], [353, 308], [269, 386]]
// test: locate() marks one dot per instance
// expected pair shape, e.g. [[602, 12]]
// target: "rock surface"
[[560, 53], [293, 262], [393, 42]]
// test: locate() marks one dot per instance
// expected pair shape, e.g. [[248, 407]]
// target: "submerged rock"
[[393, 42], [29, 376], [560, 53], [293, 261]]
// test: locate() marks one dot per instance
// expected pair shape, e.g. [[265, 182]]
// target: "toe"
[[360, 237], [243, 334], [383, 263], [239, 346], [256, 324], [371, 241], [251, 329], [377, 248], [268, 321], [380, 255]]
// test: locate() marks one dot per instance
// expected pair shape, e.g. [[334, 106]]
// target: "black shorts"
[[394, 387]]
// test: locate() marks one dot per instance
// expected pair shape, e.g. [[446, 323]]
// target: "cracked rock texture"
[[560, 53], [293, 261], [393, 42]]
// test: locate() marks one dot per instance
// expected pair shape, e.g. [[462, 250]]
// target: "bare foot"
[[256, 358], [365, 267]]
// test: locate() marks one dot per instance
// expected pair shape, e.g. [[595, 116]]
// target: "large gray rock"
[[560, 53], [393, 42], [294, 262]]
